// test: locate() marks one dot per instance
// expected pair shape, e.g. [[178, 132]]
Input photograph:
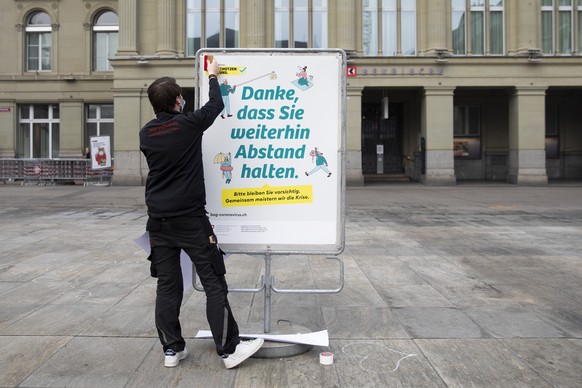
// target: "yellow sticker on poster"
[[232, 70], [267, 195]]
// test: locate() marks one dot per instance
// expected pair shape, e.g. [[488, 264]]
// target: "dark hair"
[[162, 94]]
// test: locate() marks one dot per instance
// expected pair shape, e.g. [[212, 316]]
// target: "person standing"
[[226, 90], [176, 197]]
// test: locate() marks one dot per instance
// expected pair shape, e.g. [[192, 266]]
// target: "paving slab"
[[23, 355], [479, 363], [92, 362], [438, 322], [473, 285], [513, 321], [363, 323], [557, 361], [388, 363]]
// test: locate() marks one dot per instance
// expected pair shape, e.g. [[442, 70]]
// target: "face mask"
[[182, 104]]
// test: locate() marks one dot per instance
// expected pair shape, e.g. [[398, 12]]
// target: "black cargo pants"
[[195, 236]]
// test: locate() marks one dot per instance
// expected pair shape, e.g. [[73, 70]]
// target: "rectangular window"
[[565, 30], [459, 27], [303, 20], [408, 27], [370, 27], [300, 24], [481, 30], [561, 30], [467, 132], [282, 23], [99, 122], [467, 121], [548, 26], [478, 27], [212, 23], [319, 24], [38, 131], [231, 23], [496, 22], [388, 27], [106, 44], [193, 27], [38, 48]]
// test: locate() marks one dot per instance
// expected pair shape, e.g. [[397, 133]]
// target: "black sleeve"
[[205, 116]]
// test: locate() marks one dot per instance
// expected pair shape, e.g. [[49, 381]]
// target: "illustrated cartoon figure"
[[226, 90], [320, 162], [225, 166], [101, 157], [302, 74], [304, 81]]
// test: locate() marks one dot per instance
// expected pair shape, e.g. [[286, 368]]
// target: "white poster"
[[100, 152], [273, 160]]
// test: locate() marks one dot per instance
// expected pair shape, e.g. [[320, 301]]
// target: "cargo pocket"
[[216, 256], [153, 272]]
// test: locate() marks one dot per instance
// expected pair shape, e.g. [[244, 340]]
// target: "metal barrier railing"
[[51, 171], [11, 169]]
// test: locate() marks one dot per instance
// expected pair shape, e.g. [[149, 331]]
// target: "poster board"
[[274, 159], [100, 152]]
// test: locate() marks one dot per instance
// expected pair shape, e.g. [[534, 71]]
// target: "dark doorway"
[[385, 132]]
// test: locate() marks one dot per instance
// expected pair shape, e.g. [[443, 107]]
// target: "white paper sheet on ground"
[[318, 338], [143, 242]]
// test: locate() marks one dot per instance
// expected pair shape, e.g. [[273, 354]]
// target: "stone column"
[[71, 129], [437, 27], [127, 28], [527, 156], [129, 103], [528, 26], [255, 24], [166, 45], [437, 130], [8, 115], [354, 175], [346, 14]]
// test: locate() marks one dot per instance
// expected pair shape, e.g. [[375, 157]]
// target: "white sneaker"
[[243, 350], [173, 358]]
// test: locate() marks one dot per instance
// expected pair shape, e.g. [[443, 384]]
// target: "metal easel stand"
[[268, 286], [273, 349]]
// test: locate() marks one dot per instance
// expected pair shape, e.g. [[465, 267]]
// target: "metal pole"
[[268, 285]]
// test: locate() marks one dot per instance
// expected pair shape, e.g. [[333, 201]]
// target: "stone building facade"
[[438, 90]]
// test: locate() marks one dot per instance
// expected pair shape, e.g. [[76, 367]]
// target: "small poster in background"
[[100, 152]]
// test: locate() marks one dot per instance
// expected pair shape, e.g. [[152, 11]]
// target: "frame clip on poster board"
[[274, 160]]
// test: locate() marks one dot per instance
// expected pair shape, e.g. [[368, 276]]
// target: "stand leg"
[[268, 287]]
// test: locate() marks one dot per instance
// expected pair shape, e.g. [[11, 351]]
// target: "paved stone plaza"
[[466, 286]]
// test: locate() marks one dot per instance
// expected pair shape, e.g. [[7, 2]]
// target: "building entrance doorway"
[[382, 139]]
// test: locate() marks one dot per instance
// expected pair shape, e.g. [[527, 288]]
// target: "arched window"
[[105, 39], [38, 42]]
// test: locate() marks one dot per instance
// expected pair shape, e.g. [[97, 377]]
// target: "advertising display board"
[[274, 158]]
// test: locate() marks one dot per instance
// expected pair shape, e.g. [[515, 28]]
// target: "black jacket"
[[172, 145]]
